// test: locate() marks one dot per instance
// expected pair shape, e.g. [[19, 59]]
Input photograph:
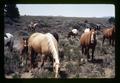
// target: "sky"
[[67, 10]]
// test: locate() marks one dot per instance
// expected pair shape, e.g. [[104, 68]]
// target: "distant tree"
[[11, 11], [111, 20]]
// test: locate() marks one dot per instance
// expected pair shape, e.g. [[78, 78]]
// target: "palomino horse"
[[74, 33], [8, 41], [109, 34], [87, 41], [45, 45]]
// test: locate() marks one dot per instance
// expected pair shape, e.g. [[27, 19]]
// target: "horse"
[[87, 41], [32, 26], [8, 41], [23, 48], [47, 46], [109, 34], [74, 33]]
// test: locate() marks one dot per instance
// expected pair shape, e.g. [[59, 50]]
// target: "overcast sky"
[[68, 10]]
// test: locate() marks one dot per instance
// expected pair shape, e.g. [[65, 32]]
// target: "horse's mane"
[[51, 46]]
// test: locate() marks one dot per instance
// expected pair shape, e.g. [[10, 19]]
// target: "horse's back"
[[38, 42]]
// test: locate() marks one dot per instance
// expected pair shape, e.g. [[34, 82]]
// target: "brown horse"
[[23, 48], [87, 41], [46, 45], [109, 34]]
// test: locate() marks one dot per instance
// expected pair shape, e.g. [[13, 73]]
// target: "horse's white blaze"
[[75, 31], [92, 39], [87, 30]]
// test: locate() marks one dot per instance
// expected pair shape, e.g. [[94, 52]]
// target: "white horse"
[[74, 33], [8, 41]]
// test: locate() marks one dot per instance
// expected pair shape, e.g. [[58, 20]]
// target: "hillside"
[[103, 67]]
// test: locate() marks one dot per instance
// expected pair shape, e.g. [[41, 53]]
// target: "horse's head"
[[93, 36], [25, 41], [56, 67]]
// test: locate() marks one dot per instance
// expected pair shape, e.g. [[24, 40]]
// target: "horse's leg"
[[87, 52], [34, 54], [93, 49], [110, 41], [103, 40], [51, 59], [21, 55], [43, 60], [74, 35], [11, 46], [30, 51], [113, 42], [83, 54], [82, 50]]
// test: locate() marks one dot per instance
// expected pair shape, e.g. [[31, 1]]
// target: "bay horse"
[[8, 41], [87, 41], [46, 45], [73, 32], [109, 34]]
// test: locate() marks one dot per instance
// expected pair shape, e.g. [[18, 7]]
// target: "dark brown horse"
[[87, 41], [109, 34], [55, 35]]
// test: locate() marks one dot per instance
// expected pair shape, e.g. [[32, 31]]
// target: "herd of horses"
[[46, 45]]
